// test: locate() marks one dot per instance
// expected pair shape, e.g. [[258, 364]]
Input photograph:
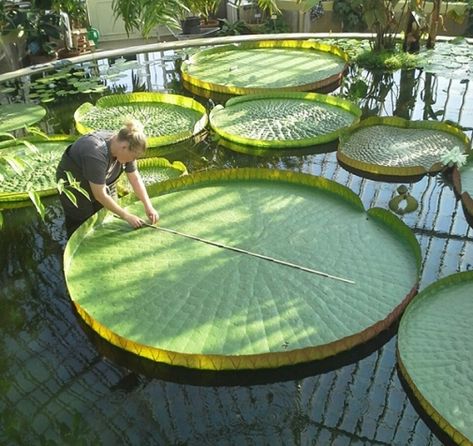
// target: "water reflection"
[[57, 386]]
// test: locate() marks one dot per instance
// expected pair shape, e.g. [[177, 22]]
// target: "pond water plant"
[[283, 120], [253, 210], [60, 386], [393, 146], [167, 118], [434, 354], [247, 67]]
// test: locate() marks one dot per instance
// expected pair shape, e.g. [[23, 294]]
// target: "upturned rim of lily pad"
[[377, 170], [147, 98], [465, 196], [268, 359], [333, 101], [444, 421], [289, 44]]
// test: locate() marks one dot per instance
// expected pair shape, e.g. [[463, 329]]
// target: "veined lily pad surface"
[[395, 146], [167, 118], [38, 173], [16, 116], [435, 353], [283, 120], [256, 67], [183, 302], [153, 170]]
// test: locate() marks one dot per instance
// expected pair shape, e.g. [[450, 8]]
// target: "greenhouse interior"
[[240, 222]]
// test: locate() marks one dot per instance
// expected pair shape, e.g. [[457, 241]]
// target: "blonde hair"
[[132, 133]]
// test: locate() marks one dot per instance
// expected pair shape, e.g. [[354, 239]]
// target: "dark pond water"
[[58, 388]]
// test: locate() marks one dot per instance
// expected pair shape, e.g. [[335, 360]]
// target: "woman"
[[96, 160]]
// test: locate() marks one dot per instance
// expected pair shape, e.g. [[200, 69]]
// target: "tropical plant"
[[236, 28], [75, 9], [12, 18], [43, 31], [145, 16], [350, 14]]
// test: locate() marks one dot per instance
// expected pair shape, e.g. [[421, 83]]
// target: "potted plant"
[[44, 36], [145, 16]]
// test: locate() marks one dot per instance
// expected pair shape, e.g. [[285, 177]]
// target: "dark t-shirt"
[[89, 160]]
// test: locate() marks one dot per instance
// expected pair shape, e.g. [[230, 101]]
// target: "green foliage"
[[75, 9], [274, 26], [350, 13], [11, 17], [233, 29], [145, 15], [390, 60]]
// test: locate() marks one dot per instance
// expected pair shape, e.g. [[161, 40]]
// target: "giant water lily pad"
[[435, 353], [394, 146], [256, 67], [463, 184], [17, 116], [167, 118], [184, 302], [283, 120], [38, 173], [153, 170]]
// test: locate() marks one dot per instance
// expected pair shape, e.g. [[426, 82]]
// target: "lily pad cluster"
[[283, 120], [166, 118], [450, 59], [67, 81]]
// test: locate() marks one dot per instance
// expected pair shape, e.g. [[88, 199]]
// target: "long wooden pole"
[[244, 251]]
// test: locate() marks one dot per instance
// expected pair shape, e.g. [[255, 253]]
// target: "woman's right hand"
[[134, 221]]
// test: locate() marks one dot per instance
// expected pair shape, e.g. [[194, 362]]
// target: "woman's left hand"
[[152, 214]]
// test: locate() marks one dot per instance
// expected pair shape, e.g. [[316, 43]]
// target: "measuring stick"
[[243, 251]]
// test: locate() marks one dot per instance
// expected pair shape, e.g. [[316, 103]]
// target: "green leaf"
[[75, 184], [283, 120], [36, 199], [17, 164], [167, 118], [439, 320], [231, 68], [71, 196], [1, 220], [237, 310], [37, 132], [16, 116]]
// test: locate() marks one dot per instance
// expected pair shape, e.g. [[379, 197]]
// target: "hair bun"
[[133, 125]]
